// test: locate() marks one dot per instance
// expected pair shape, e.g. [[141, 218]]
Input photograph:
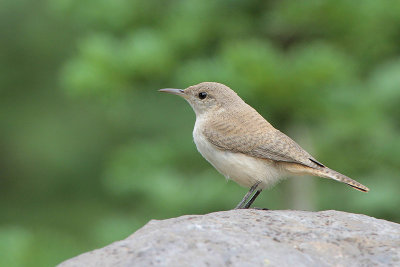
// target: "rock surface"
[[255, 238]]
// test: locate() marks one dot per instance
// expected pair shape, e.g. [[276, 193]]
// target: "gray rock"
[[255, 238]]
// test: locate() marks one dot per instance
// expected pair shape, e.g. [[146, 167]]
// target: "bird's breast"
[[243, 169]]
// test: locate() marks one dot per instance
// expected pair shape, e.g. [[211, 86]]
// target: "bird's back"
[[244, 130]]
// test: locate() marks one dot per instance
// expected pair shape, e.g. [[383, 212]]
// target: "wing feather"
[[252, 135]]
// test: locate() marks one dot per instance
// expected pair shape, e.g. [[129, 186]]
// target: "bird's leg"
[[246, 197], [252, 199]]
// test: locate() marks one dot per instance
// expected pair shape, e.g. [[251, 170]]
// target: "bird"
[[243, 146]]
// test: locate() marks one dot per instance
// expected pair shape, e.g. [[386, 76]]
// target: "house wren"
[[243, 146]]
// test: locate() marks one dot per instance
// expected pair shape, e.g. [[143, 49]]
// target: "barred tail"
[[328, 173], [322, 171]]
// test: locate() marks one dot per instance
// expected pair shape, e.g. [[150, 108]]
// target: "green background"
[[90, 151]]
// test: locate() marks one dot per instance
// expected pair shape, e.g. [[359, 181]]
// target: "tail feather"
[[323, 172], [328, 173]]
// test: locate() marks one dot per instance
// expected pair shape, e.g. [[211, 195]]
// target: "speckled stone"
[[255, 238]]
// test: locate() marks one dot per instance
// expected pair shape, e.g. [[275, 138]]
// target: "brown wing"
[[251, 134]]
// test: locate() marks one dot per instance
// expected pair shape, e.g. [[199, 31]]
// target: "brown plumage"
[[245, 147], [246, 131]]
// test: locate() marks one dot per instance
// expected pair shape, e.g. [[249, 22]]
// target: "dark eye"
[[202, 95]]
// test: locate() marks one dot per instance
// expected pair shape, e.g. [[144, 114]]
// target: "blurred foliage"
[[91, 151]]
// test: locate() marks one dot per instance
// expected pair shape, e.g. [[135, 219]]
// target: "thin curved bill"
[[173, 91]]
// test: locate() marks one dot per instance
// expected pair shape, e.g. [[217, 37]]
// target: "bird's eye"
[[202, 95]]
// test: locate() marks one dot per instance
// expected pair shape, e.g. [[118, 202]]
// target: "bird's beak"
[[173, 91]]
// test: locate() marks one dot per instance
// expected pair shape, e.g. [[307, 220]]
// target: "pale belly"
[[242, 169]]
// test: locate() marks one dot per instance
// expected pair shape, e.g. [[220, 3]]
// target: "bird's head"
[[207, 96]]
